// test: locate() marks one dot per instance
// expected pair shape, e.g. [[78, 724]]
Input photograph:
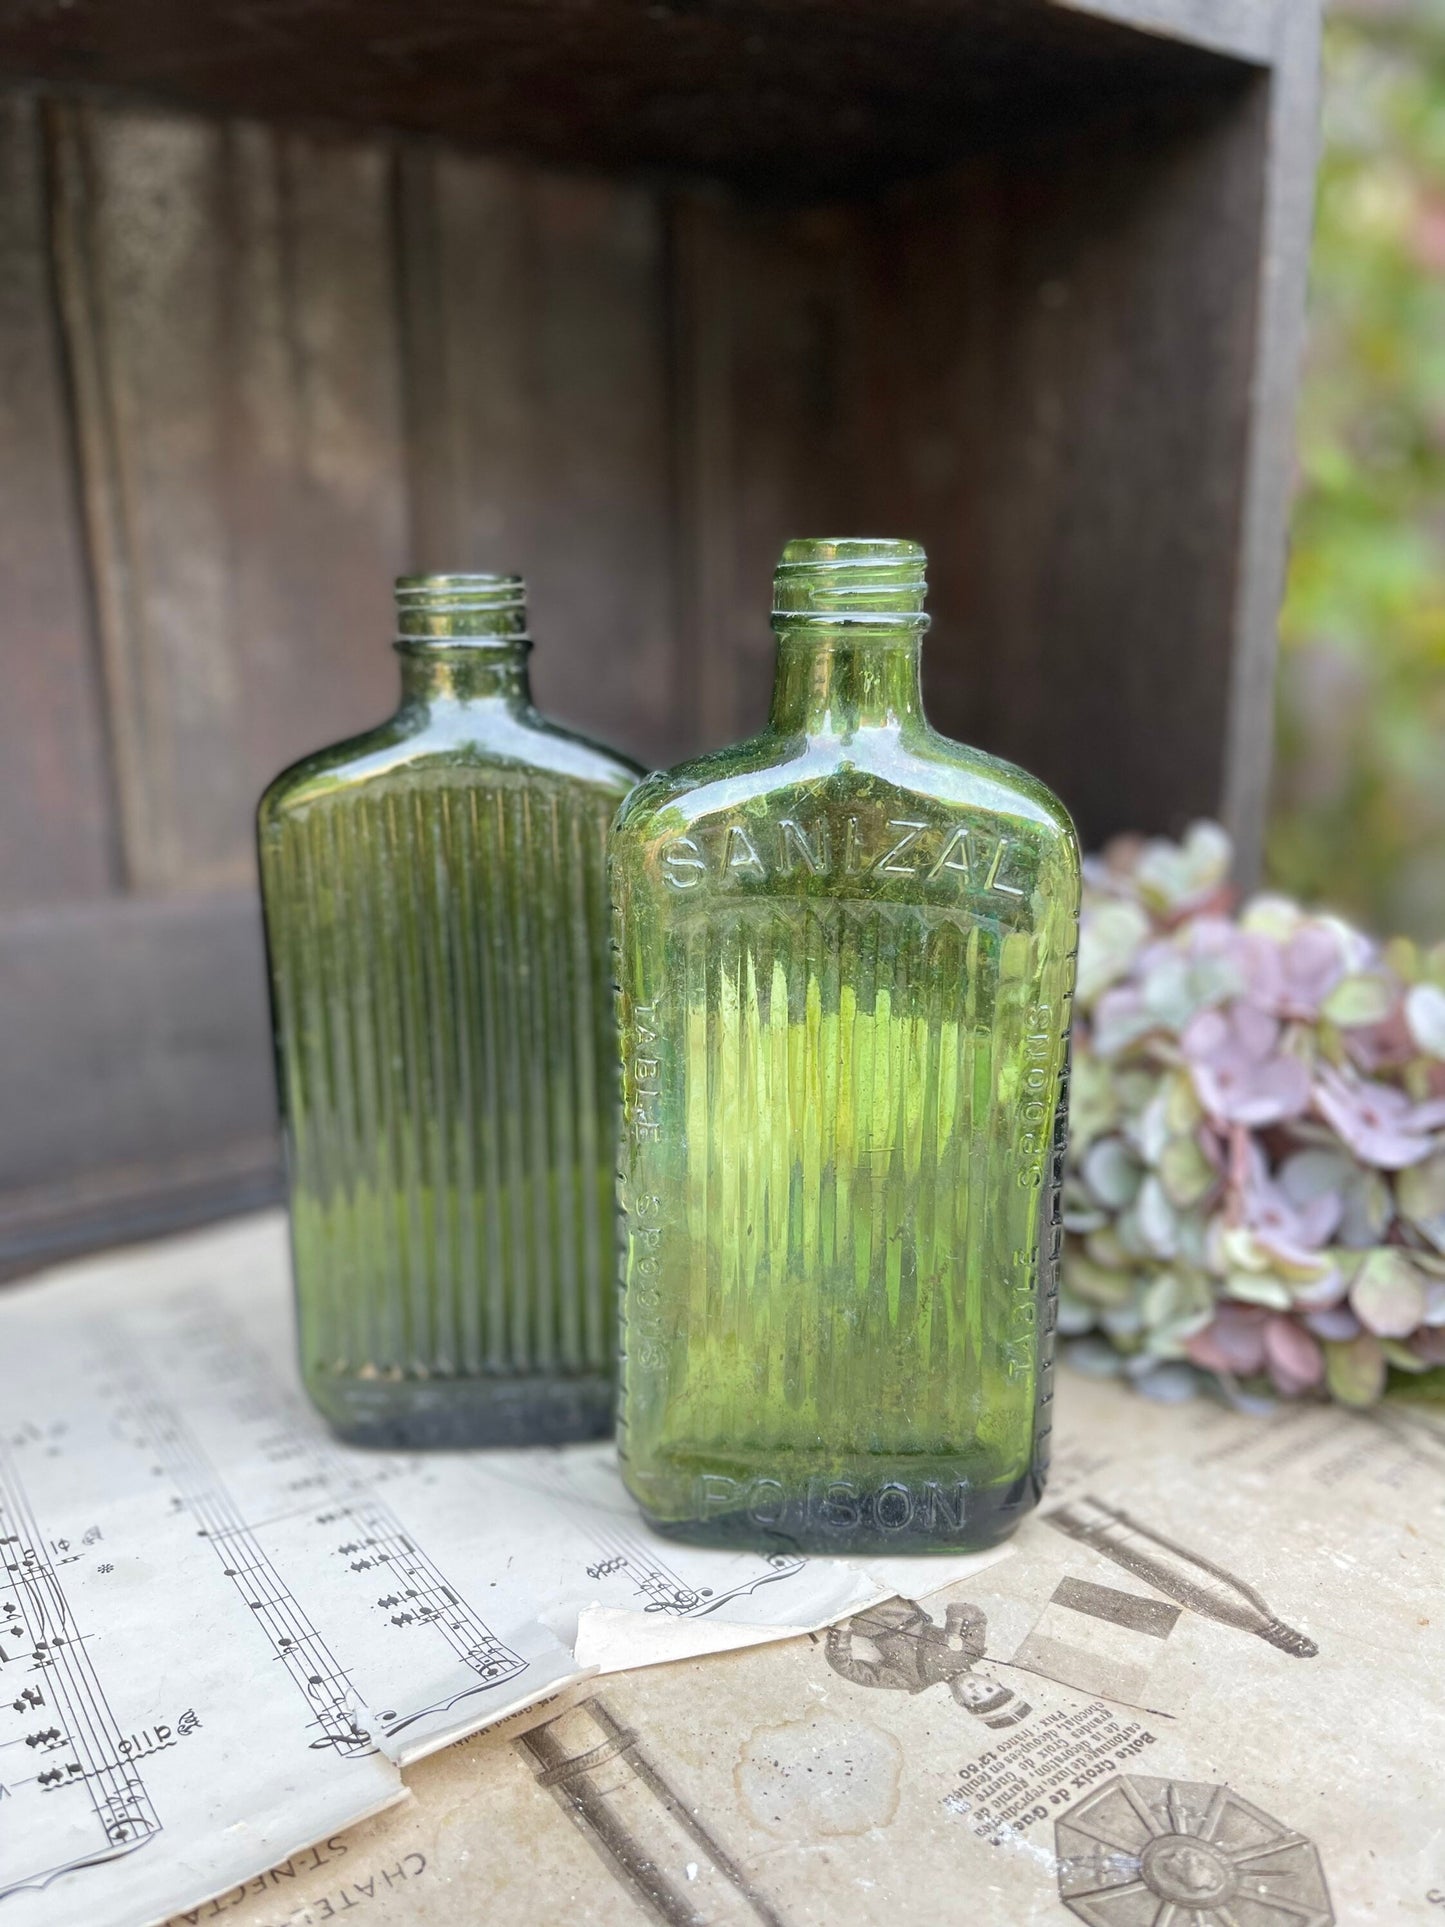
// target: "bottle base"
[[892, 1510], [436, 1414]]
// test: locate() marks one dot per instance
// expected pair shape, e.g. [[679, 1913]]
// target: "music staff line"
[[71, 1692], [623, 1553], [319, 1677], [416, 1592]]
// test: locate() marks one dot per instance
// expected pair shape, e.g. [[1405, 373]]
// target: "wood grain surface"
[[781, 98], [1023, 280], [56, 832]]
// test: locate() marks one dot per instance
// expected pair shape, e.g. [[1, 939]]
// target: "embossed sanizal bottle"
[[845, 955], [436, 920]]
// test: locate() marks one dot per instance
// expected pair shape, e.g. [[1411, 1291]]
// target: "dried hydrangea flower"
[[1257, 1180], [1240, 1072], [1376, 1121]]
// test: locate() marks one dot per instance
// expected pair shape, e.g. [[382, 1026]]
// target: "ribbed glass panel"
[[841, 1189], [438, 948], [845, 959]]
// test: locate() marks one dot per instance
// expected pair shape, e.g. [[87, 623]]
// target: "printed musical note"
[[37, 1607], [215, 1486], [279, 1615]]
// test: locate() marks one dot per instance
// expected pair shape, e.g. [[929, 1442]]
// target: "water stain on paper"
[[820, 1778]]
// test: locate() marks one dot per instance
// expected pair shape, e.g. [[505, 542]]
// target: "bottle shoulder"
[[717, 780], [534, 742], [463, 747], [918, 821], [770, 773]]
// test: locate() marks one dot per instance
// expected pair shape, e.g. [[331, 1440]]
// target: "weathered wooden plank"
[[54, 781], [536, 335], [786, 95], [1241, 29], [1070, 335], [138, 1083], [229, 304], [1043, 365], [1288, 158], [764, 427]]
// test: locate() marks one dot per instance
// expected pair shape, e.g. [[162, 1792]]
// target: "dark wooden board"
[[763, 431], [1068, 404], [783, 95], [1047, 367], [537, 369], [229, 303], [138, 1080], [255, 371], [56, 832], [1290, 142]]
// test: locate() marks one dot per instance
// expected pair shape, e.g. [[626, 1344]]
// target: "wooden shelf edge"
[[1247, 30], [123, 1206]]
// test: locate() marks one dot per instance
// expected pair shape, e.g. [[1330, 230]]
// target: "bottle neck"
[[434, 677], [836, 679], [463, 642]]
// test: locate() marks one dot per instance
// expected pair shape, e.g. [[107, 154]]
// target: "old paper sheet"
[[221, 1633], [1208, 1691]]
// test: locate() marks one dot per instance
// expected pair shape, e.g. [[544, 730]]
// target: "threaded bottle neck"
[[462, 639], [462, 611], [865, 582], [848, 614]]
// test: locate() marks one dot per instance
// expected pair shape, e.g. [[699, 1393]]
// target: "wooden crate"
[[295, 295]]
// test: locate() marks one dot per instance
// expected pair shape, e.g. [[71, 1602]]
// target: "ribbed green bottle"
[[845, 954], [436, 920]]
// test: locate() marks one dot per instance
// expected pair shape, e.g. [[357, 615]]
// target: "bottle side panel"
[[841, 1122], [447, 1061]]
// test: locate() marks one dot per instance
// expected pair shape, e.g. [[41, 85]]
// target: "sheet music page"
[[222, 1633]]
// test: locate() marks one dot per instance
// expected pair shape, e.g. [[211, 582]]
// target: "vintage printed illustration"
[[1141, 1850], [1134, 1724], [221, 1633]]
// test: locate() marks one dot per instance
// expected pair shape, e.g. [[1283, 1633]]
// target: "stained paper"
[[1207, 1690], [222, 1633]]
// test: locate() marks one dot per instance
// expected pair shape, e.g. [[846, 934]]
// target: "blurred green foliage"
[[1359, 810]]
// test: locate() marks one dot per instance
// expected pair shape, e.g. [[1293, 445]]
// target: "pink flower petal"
[[1233, 1343], [1205, 1034], [1240, 1074], [1312, 962], [1296, 1362], [1253, 1095], [1255, 1031], [1376, 1121], [1336, 1322]]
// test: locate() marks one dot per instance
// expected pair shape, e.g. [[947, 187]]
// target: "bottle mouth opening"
[[873, 582], [463, 609]]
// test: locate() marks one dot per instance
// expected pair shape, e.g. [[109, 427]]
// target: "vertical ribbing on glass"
[[845, 952], [858, 1283], [439, 973]]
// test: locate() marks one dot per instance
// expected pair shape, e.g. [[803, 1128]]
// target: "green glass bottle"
[[436, 921], [845, 956]]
